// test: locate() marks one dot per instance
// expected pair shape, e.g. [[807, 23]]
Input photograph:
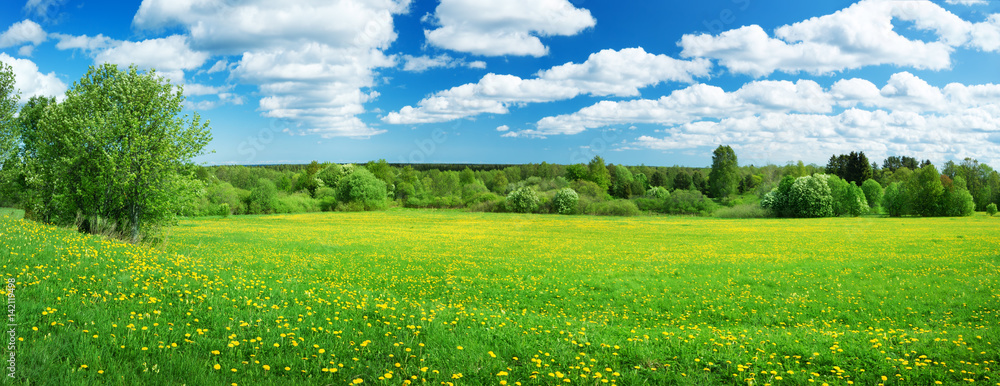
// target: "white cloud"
[[608, 72], [312, 60], [219, 66], [857, 36], [31, 82], [424, 63], [170, 56], [801, 120], [504, 27], [83, 42], [24, 32], [503, 128]]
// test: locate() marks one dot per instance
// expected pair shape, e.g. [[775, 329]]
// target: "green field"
[[483, 298]]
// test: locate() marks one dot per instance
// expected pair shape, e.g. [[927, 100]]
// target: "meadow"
[[451, 297]]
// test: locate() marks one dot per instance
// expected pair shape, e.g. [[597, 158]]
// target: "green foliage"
[[263, 198], [848, 198], [598, 173], [926, 191], [724, 178], [742, 211], [621, 182], [688, 202], [9, 97], [895, 200], [991, 209], [657, 193], [957, 202], [296, 203], [565, 201], [853, 167], [362, 189], [873, 192], [810, 196], [500, 183], [613, 208], [117, 148], [224, 210], [682, 181], [522, 200]]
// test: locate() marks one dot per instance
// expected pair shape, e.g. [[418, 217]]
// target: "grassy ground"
[[11, 212], [483, 298]]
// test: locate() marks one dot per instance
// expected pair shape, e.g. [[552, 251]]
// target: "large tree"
[[118, 149], [9, 97], [599, 173], [853, 167], [725, 175]]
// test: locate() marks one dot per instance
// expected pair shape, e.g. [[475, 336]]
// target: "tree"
[[698, 182], [576, 172], [853, 167], [499, 183], [659, 178], [891, 164], [565, 201], [9, 130], [682, 181], [925, 191], [991, 209], [848, 198], [810, 196], [598, 173], [894, 200], [873, 192], [117, 148], [523, 200], [725, 175], [362, 188], [621, 182]]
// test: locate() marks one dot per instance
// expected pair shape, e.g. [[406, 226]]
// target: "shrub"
[[957, 202], [613, 208], [587, 188], [362, 187], [991, 209], [743, 211], [522, 200], [263, 197], [224, 210], [810, 197], [848, 198], [565, 201], [657, 192], [688, 202], [299, 202], [647, 204]]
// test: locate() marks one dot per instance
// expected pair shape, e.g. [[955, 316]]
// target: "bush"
[[613, 208], [957, 202], [522, 200], [991, 209], [873, 192], [647, 204], [224, 210], [848, 198], [362, 187], [300, 202], [810, 197], [565, 201], [657, 192], [263, 197], [743, 211], [688, 202], [587, 188]]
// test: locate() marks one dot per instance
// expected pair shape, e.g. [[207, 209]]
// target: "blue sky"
[[516, 81]]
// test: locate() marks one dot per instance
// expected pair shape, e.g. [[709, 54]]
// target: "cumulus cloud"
[[608, 72], [424, 63], [170, 56], [801, 119], [26, 34], [966, 2], [504, 27], [503, 128], [857, 36], [43, 9], [313, 61], [32, 82]]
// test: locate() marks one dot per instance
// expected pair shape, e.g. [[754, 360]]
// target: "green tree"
[[621, 182], [698, 182], [9, 133], [810, 196], [682, 181], [499, 185], [576, 172], [598, 173], [873, 192], [991, 209], [565, 201], [725, 175], [523, 200], [926, 191], [363, 189], [118, 148], [895, 200]]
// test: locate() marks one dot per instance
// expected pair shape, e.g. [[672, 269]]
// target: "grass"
[[12, 213], [484, 298]]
